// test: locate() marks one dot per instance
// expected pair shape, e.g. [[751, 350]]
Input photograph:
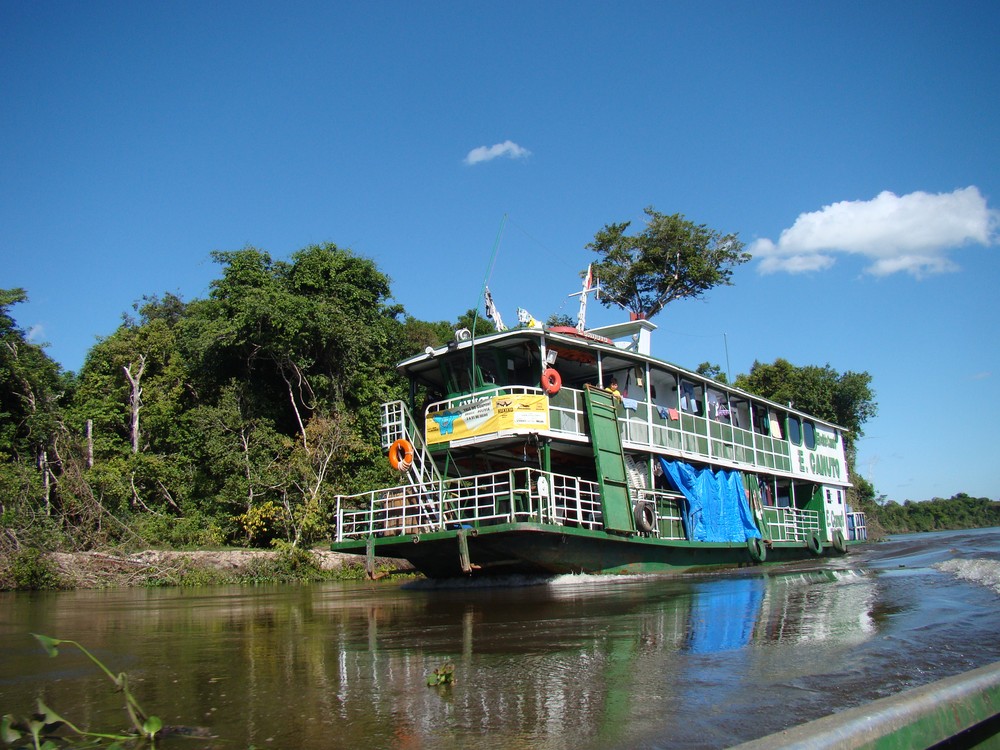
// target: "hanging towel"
[[674, 414], [630, 403], [662, 411]]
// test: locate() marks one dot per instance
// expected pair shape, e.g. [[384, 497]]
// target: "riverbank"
[[29, 569]]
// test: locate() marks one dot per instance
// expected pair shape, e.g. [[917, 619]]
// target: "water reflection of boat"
[[518, 452], [591, 655]]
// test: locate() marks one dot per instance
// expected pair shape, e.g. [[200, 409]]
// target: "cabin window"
[[718, 406], [692, 397], [491, 370], [739, 412], [809, 434], [663, 389], [794, 429], [783, 494], [774, 419], [761, 424]]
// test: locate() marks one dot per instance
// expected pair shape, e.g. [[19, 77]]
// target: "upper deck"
[[488, 391]]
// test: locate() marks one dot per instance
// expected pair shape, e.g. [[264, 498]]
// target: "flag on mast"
[[492, 313]]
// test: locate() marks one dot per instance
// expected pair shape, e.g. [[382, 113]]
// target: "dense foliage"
[[235, 419], [232, 419], [845, 399], [957, 512]]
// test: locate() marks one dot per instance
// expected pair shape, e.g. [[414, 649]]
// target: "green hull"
[[542, 549]]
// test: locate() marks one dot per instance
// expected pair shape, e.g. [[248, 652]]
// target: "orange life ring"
[[551, 381], [401, 455]]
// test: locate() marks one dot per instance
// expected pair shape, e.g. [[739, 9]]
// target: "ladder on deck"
[[398, 423]]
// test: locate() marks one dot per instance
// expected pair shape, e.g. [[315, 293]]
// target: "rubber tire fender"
[[839, 543], [814, 543], [757, 549], [645, 517]]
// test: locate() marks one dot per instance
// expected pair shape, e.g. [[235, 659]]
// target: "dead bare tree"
[[135, 396]]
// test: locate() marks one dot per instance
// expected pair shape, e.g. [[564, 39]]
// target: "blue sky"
[[853, 146]]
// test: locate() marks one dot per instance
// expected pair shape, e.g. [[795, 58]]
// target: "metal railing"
[[398, 424], [500, 497], [789, 524], [450, 404], [856, 529], [645, 425], [669, 523]]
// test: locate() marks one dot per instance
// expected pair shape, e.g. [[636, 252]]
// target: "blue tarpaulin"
[[716, 508]]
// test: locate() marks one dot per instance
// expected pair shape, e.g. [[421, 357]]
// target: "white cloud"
[[35, 334], [489, 153], [911, 233]]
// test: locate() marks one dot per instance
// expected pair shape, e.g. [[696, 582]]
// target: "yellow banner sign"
[[486, 416]]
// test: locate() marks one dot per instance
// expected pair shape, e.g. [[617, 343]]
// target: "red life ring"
[[551, 381], [401, 455]]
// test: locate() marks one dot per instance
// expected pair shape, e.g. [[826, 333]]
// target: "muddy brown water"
[[575, 662]]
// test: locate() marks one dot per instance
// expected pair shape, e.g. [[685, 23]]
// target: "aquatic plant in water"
[[443, 675], [46, 723]]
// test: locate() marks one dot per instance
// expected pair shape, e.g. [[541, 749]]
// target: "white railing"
[[669, 523], [500, 497], [397, 424], [789, 524], [450, 404], [645, 427], [856, 529]]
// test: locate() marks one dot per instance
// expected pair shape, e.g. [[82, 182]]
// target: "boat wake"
[[487, 582], [984, 572]]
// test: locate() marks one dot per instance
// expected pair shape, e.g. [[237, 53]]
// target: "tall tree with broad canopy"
[[672, 258]]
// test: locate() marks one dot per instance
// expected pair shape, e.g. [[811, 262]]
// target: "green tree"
[[32, 391], [672, 258], [713, 371], [957, 512], [131, 402]]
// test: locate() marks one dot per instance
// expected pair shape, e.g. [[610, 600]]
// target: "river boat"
[[558, 449]]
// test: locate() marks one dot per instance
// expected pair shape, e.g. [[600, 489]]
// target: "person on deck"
[[613, 389]]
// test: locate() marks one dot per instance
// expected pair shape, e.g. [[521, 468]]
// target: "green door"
[[612, 476]]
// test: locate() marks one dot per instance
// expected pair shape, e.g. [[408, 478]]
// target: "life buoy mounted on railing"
[[551, 381], [401, 455]]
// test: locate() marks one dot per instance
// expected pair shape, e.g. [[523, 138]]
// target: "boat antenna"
[[729, 372], [482, 293]]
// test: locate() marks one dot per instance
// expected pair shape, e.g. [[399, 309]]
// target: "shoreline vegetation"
[[233, 422], [31, 570]]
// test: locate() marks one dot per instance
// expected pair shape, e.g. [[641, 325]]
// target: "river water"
[[577, 662]]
